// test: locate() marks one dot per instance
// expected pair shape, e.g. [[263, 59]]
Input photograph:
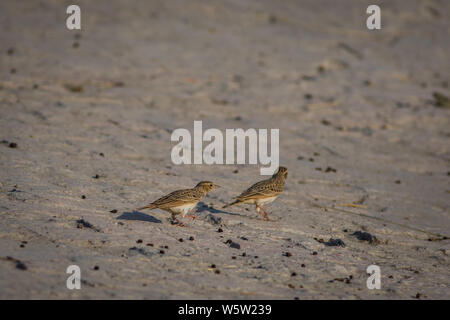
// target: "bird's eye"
[[210, 185]]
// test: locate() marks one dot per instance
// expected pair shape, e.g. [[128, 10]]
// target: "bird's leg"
[[190, 215], [178, 222], [258, 210], [266, 215]]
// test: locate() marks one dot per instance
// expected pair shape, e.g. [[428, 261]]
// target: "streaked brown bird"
[[263, 192], [182, 201]]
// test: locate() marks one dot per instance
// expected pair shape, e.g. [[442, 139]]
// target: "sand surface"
[[86, 118]]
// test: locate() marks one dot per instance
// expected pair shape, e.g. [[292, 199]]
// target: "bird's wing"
[[177, 198], [265, 188]]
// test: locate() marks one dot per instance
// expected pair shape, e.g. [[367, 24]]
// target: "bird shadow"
[[136, 215], [204, 207]]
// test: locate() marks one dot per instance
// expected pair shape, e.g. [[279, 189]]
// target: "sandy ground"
[[86, 118]]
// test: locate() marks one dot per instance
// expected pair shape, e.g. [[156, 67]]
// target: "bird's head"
[[206, 186], [281, 173]]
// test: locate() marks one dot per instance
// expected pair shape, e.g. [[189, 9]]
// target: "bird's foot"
[[178, 223], [193, 217]]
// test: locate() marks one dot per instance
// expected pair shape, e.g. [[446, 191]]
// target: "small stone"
[[139, 241], [334, 243], [191, 238], [365, 236]]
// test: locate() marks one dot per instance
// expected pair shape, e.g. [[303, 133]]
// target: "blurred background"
[[86, 117]]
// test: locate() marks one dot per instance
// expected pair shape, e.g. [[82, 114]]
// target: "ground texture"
[[85, 123]]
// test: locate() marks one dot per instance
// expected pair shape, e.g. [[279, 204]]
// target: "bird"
[[263, 192], [181, 201]]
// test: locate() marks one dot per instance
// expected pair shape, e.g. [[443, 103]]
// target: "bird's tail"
[[230, 204], [149, 206]]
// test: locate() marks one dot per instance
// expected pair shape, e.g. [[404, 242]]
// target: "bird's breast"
[[265, 200], [185, 208]]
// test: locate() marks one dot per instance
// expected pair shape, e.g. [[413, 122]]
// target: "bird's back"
[[266, 188]]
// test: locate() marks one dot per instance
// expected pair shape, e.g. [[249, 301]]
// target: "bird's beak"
[[217, 186]]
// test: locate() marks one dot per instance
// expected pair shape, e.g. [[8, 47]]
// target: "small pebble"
[[96, 267], [139, 241], [191, 238]]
